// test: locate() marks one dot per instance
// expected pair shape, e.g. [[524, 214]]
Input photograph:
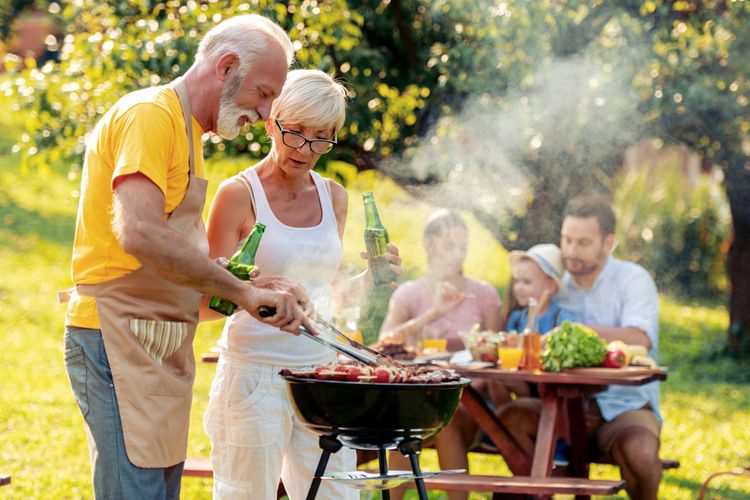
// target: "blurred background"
[[502, 110]]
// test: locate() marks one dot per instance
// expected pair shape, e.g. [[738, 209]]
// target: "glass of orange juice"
[[433, 341], [509, 352], [356, 336]]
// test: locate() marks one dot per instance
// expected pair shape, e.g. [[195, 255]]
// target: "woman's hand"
[[445, 298], [394, 263]]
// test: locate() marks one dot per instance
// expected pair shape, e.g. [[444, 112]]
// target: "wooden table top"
[[582, 376]]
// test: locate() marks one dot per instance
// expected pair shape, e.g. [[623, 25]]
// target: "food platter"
[[363, 480]]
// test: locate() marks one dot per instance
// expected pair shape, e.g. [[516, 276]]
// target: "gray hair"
[[248, 36], [311, 98]]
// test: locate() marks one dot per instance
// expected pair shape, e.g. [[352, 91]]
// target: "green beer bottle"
[[376, 238], [241, 265]]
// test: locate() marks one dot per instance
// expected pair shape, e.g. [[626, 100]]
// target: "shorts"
[[605, 433]]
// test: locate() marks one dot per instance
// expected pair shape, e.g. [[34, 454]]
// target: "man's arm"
[[141, 229], [639, 311], [628, 335]]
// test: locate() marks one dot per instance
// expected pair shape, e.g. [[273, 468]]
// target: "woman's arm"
[[400, 326], [490, 307], [230, 213], [350, 290]]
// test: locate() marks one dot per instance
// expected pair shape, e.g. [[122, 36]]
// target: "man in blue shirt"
[[619, 300]]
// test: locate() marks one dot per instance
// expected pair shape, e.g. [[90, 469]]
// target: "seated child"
[[536, 272]]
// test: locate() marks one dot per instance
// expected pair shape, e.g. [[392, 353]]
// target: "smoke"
[[572, 120]]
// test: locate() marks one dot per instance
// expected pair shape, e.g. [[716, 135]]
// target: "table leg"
[[545, 436], [518, 462], [579, 464]]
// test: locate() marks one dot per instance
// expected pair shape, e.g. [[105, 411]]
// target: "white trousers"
[[256, 438]]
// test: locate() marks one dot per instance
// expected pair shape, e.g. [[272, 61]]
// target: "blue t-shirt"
[[553, 316], [624, 295]]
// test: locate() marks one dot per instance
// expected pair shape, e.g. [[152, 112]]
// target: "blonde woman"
[[255, 436]]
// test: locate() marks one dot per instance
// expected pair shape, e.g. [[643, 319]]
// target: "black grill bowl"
[[371, 416]]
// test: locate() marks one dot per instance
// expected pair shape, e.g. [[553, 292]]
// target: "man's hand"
[[285, 298]]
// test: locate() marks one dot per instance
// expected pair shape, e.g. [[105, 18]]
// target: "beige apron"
[[148, 324]]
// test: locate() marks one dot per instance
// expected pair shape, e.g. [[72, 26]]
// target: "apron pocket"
[[75, 365], [159, 338]]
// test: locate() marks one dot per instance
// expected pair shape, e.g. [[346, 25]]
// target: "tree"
[[505, 109], [696, 88]]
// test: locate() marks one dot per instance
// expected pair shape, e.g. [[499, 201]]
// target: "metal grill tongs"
[[332, 338]]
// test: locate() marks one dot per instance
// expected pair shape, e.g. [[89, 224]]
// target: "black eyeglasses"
[[296, 140]]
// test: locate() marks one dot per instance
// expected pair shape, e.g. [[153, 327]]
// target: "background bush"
[[677, 226]]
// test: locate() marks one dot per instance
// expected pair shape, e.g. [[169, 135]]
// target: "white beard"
[[229, 122]]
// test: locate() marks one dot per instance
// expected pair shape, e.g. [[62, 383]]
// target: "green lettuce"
[[573, 345]]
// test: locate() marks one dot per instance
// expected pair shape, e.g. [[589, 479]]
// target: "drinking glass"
[[510, 351], [433, 340]]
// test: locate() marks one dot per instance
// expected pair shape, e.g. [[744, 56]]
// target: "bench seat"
[[201, 467], [197, 467], [524, 484]]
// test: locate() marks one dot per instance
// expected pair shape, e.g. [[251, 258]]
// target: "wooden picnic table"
[[561, 392]]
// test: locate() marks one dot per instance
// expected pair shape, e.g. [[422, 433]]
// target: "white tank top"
[[308, 255]]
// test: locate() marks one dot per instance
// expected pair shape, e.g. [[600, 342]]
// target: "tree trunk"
[[737, 185]]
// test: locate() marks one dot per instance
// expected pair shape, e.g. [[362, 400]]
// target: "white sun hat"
[[546, 255]]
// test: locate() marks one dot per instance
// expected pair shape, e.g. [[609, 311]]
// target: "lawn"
[[42, 443]]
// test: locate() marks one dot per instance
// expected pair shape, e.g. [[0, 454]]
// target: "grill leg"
[[383, 463], [329, 444], [412, 448]]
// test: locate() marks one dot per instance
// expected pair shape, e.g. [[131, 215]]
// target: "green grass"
[[42, 443]]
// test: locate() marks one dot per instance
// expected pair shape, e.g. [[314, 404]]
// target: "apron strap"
[[182, 93]]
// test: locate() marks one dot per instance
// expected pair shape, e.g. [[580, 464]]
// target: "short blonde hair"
[[247, 36], [311, 98]]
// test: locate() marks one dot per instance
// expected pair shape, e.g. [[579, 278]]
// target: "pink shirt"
[[416, 298]]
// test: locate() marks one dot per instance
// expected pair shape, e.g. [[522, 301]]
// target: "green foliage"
[[676, 227], [705, 401], [573, 345]]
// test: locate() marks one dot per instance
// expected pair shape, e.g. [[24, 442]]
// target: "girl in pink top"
[[447, 301]]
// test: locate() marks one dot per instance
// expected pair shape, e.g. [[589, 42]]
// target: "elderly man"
[[619, 300], [140, 259]]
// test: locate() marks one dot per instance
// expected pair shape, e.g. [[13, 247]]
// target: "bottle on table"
[[376, 239], [241, 265], [531, 340]]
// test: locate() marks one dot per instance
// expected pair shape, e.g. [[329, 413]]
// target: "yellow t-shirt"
[[143, 132]]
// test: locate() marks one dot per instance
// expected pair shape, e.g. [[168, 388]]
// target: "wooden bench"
[[197, 467], [201, 467], [4, 479], [210, 357], [666, 463], [523, 484]]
